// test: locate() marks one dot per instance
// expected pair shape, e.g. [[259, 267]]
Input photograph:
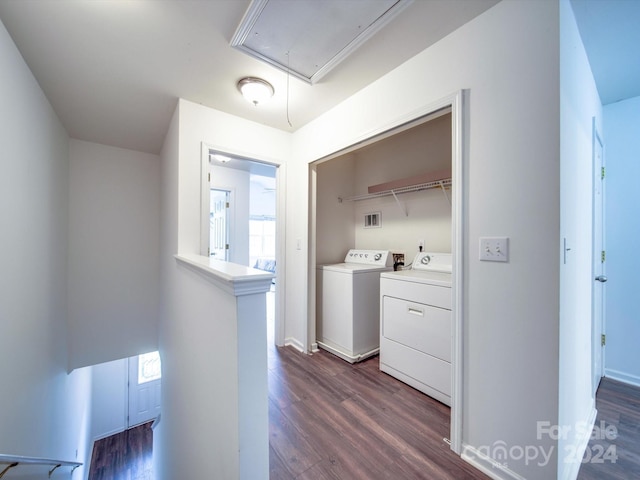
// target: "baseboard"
[[622, 377], [292, 342], [156, 421], [346, 356], [487, 465], [102, 436], [572, 460]]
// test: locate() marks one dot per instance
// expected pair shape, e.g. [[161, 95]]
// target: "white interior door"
[[144, 388], [219, 224], [598, 262]]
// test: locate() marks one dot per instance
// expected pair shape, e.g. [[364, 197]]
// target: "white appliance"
[[348, 304], [415, 325]]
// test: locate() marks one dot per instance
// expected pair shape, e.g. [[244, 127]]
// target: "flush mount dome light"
[[255, 90], [219, 157]]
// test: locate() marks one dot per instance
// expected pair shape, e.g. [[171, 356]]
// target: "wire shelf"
[[442, 184]]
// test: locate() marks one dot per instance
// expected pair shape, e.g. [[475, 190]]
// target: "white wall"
[[335, 232], [427, 218], [508, 58], [109, 398], [44, 411], [424, 215], [424, 148], [622, 146], [168, 247], [114, 244], [420, 216], [199, 426], [579, 105]]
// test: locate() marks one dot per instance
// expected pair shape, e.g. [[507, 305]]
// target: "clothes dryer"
[[416, 330]]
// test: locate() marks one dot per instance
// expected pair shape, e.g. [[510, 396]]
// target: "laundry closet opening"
[[389, 197]]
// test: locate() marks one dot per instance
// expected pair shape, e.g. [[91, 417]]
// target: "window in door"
[[149, 367]]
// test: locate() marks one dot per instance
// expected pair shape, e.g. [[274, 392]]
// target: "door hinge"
[[208, 252], [602, 173], [209, 177], [226, 247], [603, 340], [226, 205], [603, 256]]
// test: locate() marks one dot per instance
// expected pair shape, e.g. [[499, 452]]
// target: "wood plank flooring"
[[124, 456], [618, 406], [332, 420]]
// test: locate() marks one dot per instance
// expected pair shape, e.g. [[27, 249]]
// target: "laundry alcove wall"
[[426, 215]]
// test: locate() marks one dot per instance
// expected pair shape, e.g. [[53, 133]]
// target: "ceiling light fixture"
[[219, 157], [255, 90]]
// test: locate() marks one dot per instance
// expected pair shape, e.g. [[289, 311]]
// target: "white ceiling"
[[308, 38], [610, 31], [114, 69]]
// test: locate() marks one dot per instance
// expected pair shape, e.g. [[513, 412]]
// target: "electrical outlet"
[[421, 243], [494, 249]]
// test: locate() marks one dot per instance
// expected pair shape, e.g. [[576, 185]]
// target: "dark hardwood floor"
[[614, 450], [333, 420], [124, 456]]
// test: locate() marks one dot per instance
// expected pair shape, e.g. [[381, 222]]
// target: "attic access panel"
[[308, 38]]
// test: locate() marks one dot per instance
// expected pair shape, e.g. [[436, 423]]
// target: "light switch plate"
[[494, 249]]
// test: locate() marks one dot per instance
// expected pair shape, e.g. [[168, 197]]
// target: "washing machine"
[[415, 325], [348, 304]]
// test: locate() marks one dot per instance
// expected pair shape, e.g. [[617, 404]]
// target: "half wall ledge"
[[230, 277]]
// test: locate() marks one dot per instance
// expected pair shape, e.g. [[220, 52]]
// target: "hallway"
[[332, 420]]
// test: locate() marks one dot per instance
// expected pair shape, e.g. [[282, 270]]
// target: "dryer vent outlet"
[[372, 220]]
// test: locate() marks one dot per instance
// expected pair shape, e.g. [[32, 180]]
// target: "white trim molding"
[[622, 377], [230, 277]]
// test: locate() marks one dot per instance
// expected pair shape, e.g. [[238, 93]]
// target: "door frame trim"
[[596, 342], [458, 103], [280, 167]]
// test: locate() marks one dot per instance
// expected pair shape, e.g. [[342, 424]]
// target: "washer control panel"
[[382, 258], [432, 262]]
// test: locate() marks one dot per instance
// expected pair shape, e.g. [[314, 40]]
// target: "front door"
[[144, 388]]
